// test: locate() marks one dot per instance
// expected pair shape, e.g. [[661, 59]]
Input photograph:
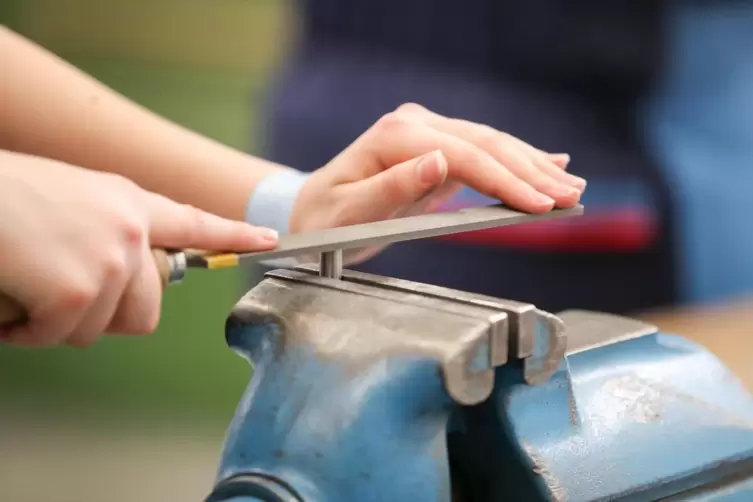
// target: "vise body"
[[373, 389]]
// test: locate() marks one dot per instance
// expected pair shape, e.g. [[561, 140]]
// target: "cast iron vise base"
[[371, 389]]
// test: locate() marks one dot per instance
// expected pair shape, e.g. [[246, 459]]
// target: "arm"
[[50, 109], [76, 249], [407, 163]]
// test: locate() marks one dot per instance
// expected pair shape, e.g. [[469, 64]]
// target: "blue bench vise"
[[374, 389]]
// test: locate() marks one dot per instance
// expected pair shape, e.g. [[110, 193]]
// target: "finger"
[[556, 168], [552, 164], [523, 160], [180, 226], [139, 309], [561, 160], [51, 324], [489, 138], [390, 191], [98, 317], [401, 140], [521, 164], [435, 200]]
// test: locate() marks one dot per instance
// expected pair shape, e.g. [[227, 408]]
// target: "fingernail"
[[579, 183], [565, 191], [562, 157], [431, 168], [269, 235], [543, 200]]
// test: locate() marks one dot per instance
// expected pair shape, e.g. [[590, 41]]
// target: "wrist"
[[272, 201], [271, 205]]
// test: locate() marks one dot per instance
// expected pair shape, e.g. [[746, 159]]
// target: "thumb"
[[404, 183], [173, 225]]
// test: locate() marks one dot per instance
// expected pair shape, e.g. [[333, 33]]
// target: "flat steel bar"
[[403, 229]]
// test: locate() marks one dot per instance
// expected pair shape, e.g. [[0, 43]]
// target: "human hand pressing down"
[[81, 245], [80, 241], [413, 160]]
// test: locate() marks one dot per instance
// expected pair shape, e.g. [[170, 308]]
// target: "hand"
[[76, 249], [413, 160]]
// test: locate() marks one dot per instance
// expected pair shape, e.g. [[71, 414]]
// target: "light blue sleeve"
[[271, 206]]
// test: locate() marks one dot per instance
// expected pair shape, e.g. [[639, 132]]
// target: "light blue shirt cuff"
[[271, 205]]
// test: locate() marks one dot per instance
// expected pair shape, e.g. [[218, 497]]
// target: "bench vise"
[[375, 389]]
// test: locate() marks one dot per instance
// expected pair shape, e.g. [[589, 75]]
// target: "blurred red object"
[[626, 230]]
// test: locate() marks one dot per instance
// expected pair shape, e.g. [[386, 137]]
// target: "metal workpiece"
[[331, 264]]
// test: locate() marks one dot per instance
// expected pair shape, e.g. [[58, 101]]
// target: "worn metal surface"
[[535, 337], [637, 416], [499, 333]]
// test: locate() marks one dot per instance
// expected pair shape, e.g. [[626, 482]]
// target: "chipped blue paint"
[[335, 435], [635, 421]]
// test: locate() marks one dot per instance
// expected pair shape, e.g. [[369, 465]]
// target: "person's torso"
[[564, 76], [608, 49]]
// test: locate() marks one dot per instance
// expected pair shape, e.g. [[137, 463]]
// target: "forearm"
[[49, 108]]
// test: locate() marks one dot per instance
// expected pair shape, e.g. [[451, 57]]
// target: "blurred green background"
[[142, 419], [204, 64]]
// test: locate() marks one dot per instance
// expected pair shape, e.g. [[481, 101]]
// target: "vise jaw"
[[374, 389], [379, 361]]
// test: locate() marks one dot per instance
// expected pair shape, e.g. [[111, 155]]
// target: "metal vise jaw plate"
[[532, 335], [360, 318]]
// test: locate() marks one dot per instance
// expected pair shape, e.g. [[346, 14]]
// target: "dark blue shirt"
[[651, 99]]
